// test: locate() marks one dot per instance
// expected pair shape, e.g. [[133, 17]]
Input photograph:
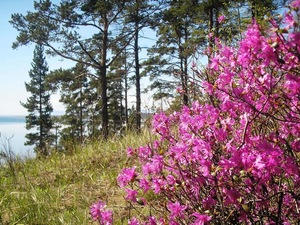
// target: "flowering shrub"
[[98, 212], [234, 159]]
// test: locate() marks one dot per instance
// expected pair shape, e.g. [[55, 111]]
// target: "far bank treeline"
[[108, 61]]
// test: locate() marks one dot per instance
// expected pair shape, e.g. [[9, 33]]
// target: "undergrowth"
[[59, 189]]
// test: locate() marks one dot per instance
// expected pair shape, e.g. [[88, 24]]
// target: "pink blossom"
[[231, 196], [176, 209], [295, 3], [131, 194], [208, 202], [107, 217], [289, 20], [144, 184], [158, 183], [180, 90], [221, 18], [126, 176], [171, 180], [130, 151], [208, 87], [157, 164], [96, 209], [133, 221], [215, 63], [201, 219], [99, 213], [296, 146]]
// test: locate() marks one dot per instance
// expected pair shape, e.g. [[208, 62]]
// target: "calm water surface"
[[12, 128]]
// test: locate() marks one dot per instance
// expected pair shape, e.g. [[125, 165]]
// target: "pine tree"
[[38, 104], [79, 95], [59, 29], [170, 56]]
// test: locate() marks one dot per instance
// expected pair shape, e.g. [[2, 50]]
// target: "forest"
[[109, 64]]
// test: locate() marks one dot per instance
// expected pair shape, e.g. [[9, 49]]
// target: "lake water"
[[12, 128]]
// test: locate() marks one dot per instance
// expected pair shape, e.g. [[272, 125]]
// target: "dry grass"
[[59, 189]]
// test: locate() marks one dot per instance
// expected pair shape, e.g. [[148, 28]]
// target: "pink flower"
[[295, 3], [289, 20], [296, 146], [130, 151], [158, 184], [208, 87], [131, 194], [231, 196], [208, 202], [201, 219], [126, 176], [152, 220], [221, 19], [170, 179], [98, 212], [133, 221], [157, 164], [106, 217], [96, 209], [179, 90], [176, 210], [215, 63], [144, 184]]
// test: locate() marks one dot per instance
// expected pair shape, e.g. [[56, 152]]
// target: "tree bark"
[[103, 79], [210, 41], [41, 117], [126, 87], [137, 72]]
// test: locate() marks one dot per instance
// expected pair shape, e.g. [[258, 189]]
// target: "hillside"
[[60, 189]]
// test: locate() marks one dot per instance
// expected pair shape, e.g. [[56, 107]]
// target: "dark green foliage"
[[116, 110], [58, 27], [259, 8], [38, 104], [175, 26], [139, 14], [80, 98]]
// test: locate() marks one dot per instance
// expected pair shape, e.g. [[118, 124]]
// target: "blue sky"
[[15, 64]]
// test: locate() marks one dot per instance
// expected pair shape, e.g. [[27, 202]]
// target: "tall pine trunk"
[[126, 87], [211, 24], [41, 118], [103, 79], [81, 115], [104, 102], [137, 72]]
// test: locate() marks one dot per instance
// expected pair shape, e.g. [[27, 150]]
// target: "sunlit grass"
[[59, 189]]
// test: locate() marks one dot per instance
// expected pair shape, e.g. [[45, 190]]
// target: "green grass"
[[59, 189]]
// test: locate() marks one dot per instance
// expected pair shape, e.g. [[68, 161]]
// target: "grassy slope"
[[61, 188]]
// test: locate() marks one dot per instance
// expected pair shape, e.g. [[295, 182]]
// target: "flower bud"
[[236, 178], [275, 45], [283, 31], [140, 201], [243, 172], [245, 207]]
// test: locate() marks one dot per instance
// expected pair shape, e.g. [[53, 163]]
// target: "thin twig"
[[244, 133]]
